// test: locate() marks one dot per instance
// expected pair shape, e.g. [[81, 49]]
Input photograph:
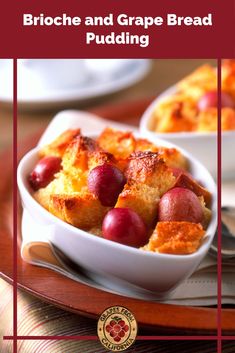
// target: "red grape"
[[106, 182], [227, 101], [44, 171], [117, 328], [112, 323], [117, 339], [121, 323], [122, 333], [210, 100], [180, 204], [108, 328], [124, 226], [113, 333], [126, 328]]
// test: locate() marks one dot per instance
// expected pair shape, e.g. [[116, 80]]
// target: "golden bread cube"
[[62, 184], [228, 119], [100, 157], [148, 178], [75, 159], [142, 199], [59, 145], [69, 199], [121, 144], [202, 80], [82, 210], [207, 120], [173, 158], [179, 238], [187, 182], [145, 145], [176, 113], [149, 169]]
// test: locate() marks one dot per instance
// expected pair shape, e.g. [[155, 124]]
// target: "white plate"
[[98, 83]]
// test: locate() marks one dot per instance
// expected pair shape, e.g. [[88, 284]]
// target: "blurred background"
[[48, 86]]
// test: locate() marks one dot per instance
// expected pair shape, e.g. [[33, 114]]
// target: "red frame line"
[[219, 228], [94, 338], [15, 337], [15, 205]]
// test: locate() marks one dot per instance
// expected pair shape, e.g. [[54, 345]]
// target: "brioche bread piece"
[[173, 158], [149, 169], [178, 238], [82, 210], [228, 118], [142, 199], [121, 144], [207, 120], [202, 80], [101, 157], [69, 199], [75, 159], [67, 195], [148, 177], [145, 145], [228, 76], [59, 145], [63, 184], [84, 154], [188, 182], [175, 114]]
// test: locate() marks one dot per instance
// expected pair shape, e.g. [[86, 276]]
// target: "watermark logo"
[[117, 328]]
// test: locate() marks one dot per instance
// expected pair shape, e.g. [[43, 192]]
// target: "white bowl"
[[113, 264], [203, 145]]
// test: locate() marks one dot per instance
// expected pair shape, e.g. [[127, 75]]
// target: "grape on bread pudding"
[[193, 107], [124, 189]]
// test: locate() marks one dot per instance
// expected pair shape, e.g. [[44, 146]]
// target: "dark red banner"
[[188, 29]]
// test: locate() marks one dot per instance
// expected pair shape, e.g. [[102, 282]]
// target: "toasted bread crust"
[[119, 143], [141, 198], [176, 238], [149, 169], [83, 210], [185, 181], [59, 145]]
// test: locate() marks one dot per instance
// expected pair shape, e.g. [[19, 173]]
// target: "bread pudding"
[[193, 107], [123, 188]]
